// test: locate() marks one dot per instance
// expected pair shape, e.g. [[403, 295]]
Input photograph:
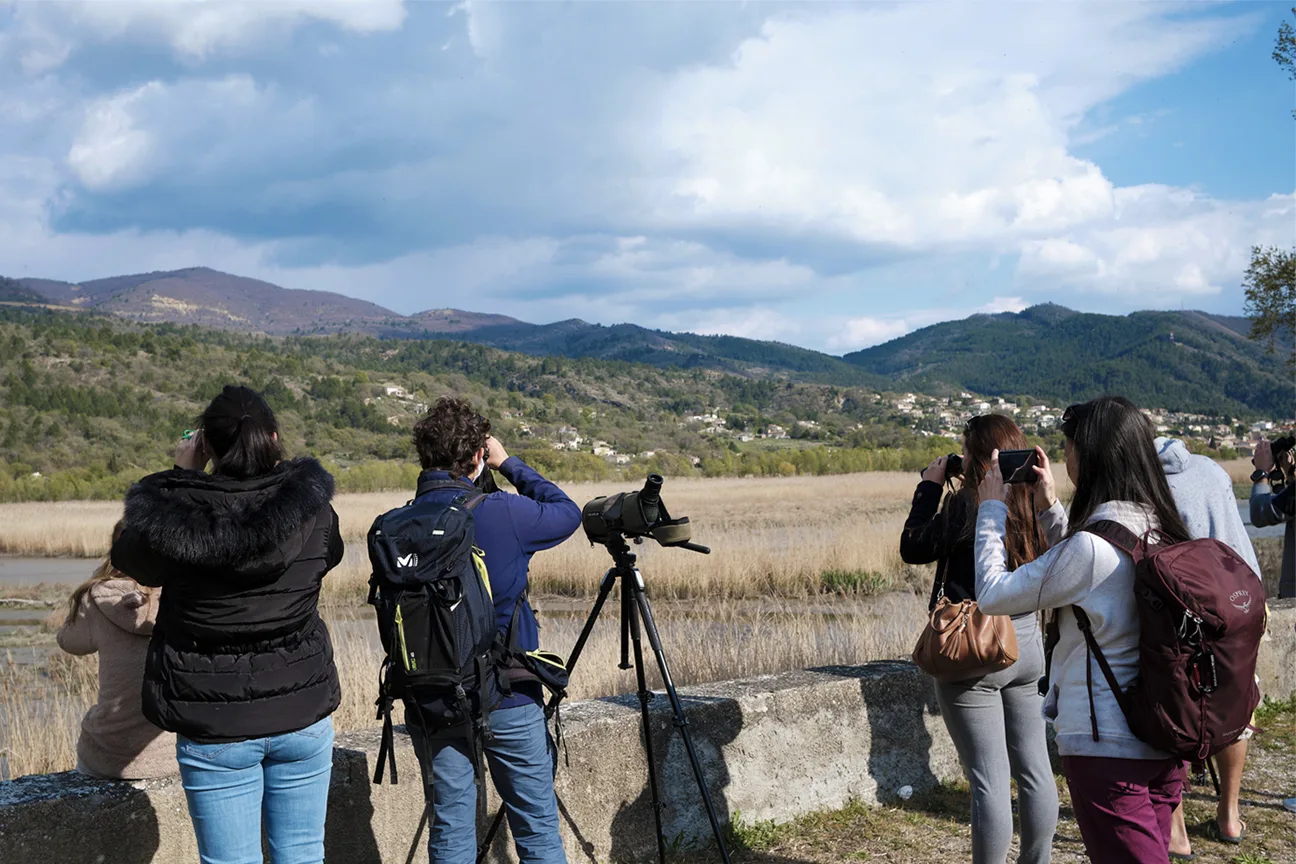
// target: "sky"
[[832, 176]]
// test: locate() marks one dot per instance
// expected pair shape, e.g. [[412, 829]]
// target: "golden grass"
[[41, 706], [81, 529], [784, 537], [41, 711], [769, 537], [1239, 470], [62, 529]]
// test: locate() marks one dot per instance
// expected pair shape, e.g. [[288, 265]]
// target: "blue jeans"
[[230, 786], [521, 760]]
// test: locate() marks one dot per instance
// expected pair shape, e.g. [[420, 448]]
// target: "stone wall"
[[773, 748]]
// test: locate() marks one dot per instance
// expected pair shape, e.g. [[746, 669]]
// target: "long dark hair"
[[239, 430], [1024, 538], [1117, 461]]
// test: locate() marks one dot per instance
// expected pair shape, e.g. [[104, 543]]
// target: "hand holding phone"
[[1018, 466]]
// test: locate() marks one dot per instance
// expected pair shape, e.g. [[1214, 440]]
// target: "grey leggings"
[[998, 730]]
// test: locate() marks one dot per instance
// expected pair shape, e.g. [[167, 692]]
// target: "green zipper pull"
[[410, 662]]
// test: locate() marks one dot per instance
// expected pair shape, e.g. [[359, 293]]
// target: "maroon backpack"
[[1202, 614]]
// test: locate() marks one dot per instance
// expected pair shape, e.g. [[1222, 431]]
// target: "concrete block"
[[774, 747]]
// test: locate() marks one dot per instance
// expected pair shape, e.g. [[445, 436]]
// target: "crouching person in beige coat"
[[113, 615]]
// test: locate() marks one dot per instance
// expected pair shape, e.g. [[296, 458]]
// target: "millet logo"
[[410, 560], [1241, 600]]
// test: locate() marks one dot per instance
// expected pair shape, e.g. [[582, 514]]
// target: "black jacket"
[[239, 650], [941, 535]]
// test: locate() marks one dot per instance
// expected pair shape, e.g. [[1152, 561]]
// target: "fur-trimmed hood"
[[210, 521]]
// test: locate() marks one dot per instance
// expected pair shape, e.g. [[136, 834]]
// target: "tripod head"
[[611, 519]]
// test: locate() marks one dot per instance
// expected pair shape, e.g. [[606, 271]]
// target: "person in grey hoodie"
[[1203, 492], [1123, 790]]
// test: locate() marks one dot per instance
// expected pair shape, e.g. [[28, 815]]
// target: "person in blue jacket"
[[454, 444]]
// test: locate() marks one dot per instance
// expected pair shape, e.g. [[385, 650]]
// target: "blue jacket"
[[510, 529]]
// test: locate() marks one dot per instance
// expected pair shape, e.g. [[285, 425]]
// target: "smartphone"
[[1018, 466]]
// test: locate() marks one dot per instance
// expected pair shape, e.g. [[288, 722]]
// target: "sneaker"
[[1290, 805]]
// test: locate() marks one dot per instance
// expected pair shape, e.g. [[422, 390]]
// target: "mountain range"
[[1188, 361]]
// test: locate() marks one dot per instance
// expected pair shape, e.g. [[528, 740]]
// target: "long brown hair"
[[983, 434], [103, 573]]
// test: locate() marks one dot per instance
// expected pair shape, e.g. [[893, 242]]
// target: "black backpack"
[[436, 619]]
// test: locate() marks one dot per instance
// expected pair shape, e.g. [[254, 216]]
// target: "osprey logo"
[[410, 560], [1241, 601]]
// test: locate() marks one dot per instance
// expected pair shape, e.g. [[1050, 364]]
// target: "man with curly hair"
[[455, 447]]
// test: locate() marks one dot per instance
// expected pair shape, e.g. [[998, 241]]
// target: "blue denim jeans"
[[285, 777], [521, 760]]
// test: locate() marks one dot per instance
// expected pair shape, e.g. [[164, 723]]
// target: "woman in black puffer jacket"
[[240, 664]]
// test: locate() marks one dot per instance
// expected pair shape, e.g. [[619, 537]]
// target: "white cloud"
[[915, 124], [111, 149], [1165, 242], [744, 169], [194, 29]]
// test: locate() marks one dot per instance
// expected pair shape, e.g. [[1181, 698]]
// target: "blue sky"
[[828, 175]]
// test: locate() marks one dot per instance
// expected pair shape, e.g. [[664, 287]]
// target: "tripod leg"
[[605, 588], [654, 639], [626, 603], [630, 621]]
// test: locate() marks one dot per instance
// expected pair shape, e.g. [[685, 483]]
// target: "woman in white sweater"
[[1123, 791]]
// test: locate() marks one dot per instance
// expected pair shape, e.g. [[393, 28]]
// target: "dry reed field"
[[769, 537], [804, 571], [820, 540], [41, 706]]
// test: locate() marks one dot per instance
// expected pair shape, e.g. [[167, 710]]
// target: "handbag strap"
[[964, 613]]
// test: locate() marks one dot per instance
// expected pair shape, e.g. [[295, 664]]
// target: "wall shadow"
[[899, 700], [713, 723], [348, 832]]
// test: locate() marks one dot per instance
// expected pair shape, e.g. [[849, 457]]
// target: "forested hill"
[[90, 402], [1182, 361], [1186, 361], [210, 298], [634, 344], [13, 291]]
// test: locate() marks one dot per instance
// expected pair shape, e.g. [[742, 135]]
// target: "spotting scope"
[[637, 515]]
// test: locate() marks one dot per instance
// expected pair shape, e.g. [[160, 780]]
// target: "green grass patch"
[[1273, 711], [754, 836], [1251, 858], [865, 582]]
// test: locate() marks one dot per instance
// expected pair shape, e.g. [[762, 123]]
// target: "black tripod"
[[636, 616]]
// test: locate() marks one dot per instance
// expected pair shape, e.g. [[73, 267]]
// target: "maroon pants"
[[1123, 806]]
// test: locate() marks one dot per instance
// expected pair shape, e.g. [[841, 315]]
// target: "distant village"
[[950, 413], [925, 415]]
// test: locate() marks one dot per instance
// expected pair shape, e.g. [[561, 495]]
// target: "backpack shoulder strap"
[[472, 499], [1091, 646], [1116, 534]]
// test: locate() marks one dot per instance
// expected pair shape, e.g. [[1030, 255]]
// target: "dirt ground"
[[935, 827]]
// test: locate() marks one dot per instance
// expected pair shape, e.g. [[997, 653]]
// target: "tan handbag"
[[961, 642]]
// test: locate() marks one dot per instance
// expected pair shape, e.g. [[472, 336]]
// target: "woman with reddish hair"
[[995, 719]]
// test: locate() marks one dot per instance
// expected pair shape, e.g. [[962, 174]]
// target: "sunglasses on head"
[[1070, 417]]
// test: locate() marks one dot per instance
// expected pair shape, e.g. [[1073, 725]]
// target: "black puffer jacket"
[[239, 650]]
